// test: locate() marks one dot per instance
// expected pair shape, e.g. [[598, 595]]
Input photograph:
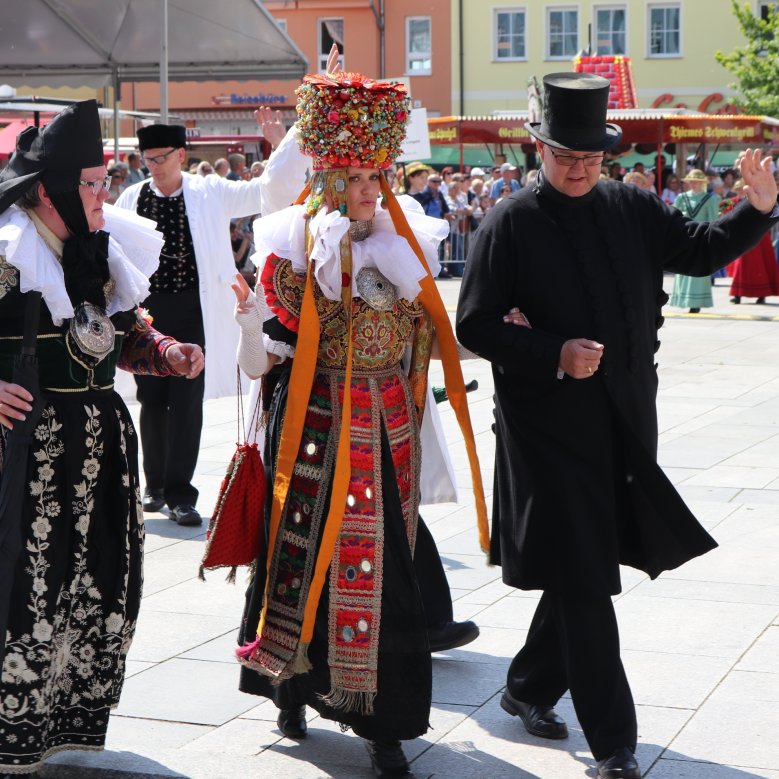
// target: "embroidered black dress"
[[77, 586]]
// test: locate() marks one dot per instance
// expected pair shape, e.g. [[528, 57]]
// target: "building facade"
[[408, 39], [497, 45]]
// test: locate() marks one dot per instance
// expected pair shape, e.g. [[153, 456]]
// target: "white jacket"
[[211, 202]]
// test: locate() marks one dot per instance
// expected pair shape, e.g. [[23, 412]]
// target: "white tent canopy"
[[98, 43]]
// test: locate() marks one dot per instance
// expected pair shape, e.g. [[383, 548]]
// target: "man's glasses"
[[97, 184], [158, 160], [569, 160]]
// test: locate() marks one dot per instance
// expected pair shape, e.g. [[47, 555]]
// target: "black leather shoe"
[[451, 635], [695, 311], [621, 765], [736, 299], [760, 301], [538, 720], [292, 722], [153, 500], [388, 760], [186, 515]]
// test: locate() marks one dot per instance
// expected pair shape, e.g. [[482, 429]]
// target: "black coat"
[[577, 485]]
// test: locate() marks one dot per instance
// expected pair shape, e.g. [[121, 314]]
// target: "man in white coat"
[[190, 294]]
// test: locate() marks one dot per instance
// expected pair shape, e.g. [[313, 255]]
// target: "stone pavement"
[[700, 644]]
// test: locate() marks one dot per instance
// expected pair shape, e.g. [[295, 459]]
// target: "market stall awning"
[[639, 126], [98, 43]]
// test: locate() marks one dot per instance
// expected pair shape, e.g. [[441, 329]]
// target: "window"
[[509, 35], [419, 46], [664, 30], [562, 33], [609, 30], [331, 31], [765, 10]]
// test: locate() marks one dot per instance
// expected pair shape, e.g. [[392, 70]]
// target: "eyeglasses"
[[97, 184], [569, 160], [158, 160]]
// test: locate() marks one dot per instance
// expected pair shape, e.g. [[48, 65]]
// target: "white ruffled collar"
[[283, 234], [133, 255]]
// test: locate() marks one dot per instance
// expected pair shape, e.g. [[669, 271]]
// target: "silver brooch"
[[92, 331], [376, 289]]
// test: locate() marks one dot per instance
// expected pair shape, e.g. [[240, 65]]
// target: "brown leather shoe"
[[539, 720]]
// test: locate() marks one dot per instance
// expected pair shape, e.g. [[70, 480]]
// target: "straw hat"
[[417, 167], [696, 174]]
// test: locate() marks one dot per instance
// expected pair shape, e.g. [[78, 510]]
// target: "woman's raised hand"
[[244, 302]]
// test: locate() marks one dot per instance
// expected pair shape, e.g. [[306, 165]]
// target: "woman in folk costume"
[[702, 206], [76, 584], [755, 273], [333, 617]]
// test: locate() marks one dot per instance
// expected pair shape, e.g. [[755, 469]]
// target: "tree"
[[756, 64]]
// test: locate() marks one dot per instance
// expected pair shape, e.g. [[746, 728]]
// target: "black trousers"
[[172, 407], [573, 643], [431, 578]]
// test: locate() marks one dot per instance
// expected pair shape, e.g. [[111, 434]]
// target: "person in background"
[[222, 167], [257, 169], [446, 176], [135, 171], [237, 163], [577, 486], [637, 179], [462, 211], [204, 168], [672, 189], [694, 292], [415, 178], [190, 295], [507, 178], [76, 586], [434, 204]]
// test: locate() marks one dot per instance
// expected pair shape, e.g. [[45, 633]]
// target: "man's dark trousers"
[[573, 643], [172, 407]]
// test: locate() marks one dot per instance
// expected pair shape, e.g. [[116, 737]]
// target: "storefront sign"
[[711, 104], [261, 99]]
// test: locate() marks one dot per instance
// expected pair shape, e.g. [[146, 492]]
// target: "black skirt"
[[77, 583], [402, 703]]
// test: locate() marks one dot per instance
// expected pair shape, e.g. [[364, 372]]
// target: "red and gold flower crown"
[[346, 119]]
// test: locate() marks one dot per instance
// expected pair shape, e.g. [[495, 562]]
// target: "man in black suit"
[[577, 486]]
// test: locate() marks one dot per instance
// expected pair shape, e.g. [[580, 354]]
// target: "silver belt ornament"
[[92, 331], [376, 289]]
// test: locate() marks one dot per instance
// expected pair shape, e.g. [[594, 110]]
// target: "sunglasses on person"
[[158, 159], [97, 184]]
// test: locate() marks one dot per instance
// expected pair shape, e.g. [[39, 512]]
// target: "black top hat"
[[158, 136], [55, 153], [575, 113]]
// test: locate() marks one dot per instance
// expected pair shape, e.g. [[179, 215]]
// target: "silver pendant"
[[376, 289], [92, 331]]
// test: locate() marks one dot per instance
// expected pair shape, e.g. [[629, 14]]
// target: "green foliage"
[[755, 64]]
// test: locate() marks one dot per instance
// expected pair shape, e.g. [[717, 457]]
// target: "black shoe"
[[153, 500], [695, 311], [186, 515], [736, 299], [388, 760], [760, 301], [538, 720], [621, 765], [450, 635], [292, 722]]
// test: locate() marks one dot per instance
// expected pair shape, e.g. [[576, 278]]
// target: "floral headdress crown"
[[346, 119]]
